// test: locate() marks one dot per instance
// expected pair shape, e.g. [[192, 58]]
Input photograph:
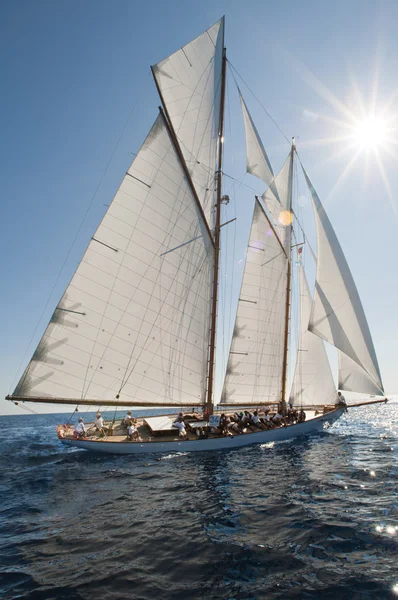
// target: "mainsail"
[[313, 383], [134, 321], [189, 83], [254, 370], [337, 315]]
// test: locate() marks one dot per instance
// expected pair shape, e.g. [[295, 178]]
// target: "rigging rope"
[[260, 103]]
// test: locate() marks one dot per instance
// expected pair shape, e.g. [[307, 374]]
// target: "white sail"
[[134, 319], [313, 383], [354, 379], [190, 85], [337, 315], [257, 161], [277, 199], [254, 370]]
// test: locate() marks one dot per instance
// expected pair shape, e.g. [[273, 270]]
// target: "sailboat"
[[137, 323]]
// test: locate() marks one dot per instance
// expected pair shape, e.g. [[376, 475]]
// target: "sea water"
[[313, 518]]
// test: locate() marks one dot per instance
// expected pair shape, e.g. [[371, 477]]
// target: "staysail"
[[277, 199], [352, 378], [337, 314], [189, 83], [313, 383], [254, 370], [134, 321], [257, 161]]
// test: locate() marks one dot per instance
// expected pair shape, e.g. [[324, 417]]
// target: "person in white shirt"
[[255, 421], [127, 419], [179, 423], [267, 420], [80, 429], [133, 433], [99, 424], [279, 419], [341, 399]]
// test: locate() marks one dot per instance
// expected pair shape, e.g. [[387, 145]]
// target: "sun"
[[370, 133]]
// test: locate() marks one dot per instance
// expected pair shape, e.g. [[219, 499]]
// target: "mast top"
[[293, 144]]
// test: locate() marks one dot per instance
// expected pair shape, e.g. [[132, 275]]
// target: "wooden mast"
[[213, 327], [288, 283]]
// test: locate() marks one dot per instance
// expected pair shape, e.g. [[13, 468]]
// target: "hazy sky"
[[74, 73]]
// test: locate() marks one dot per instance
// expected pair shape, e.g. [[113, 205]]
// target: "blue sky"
[[78, 98]]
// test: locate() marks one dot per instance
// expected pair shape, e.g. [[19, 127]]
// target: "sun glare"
[[370, 133]]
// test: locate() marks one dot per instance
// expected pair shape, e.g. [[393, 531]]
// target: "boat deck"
[[158, 429]]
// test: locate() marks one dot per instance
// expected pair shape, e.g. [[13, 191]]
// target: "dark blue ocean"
[[314, 518]]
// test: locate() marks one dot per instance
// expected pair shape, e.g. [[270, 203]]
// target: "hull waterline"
[[220, 443]]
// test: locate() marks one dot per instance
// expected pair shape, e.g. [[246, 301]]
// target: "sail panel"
[[277, 199], [354, 379], [337, 314], [254, 370], [313, 383], [190, 85], [133, 319], [257, 161]]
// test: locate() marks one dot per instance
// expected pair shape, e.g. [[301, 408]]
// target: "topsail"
[[189, 83]]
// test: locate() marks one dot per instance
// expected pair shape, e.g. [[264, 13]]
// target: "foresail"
[[134, 320], [254, 370], [257, 161], [277, 199], [352, 378], [337, 315], [313, 383], [189, 82]]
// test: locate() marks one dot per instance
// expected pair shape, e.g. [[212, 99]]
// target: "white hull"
[[221, 443]]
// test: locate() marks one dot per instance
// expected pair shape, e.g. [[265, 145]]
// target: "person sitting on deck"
[[266, 420], [290, 417], [247, 417], [238, 417], [201, 432], [302, 416], [99, 424], [223, 424], [179, 423], [341, 400], [234, 427], [255, 421], [133, 433], [278, 419], [127, 419], [80, 429]]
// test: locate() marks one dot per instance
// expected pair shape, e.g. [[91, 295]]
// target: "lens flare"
[[285, 218]]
